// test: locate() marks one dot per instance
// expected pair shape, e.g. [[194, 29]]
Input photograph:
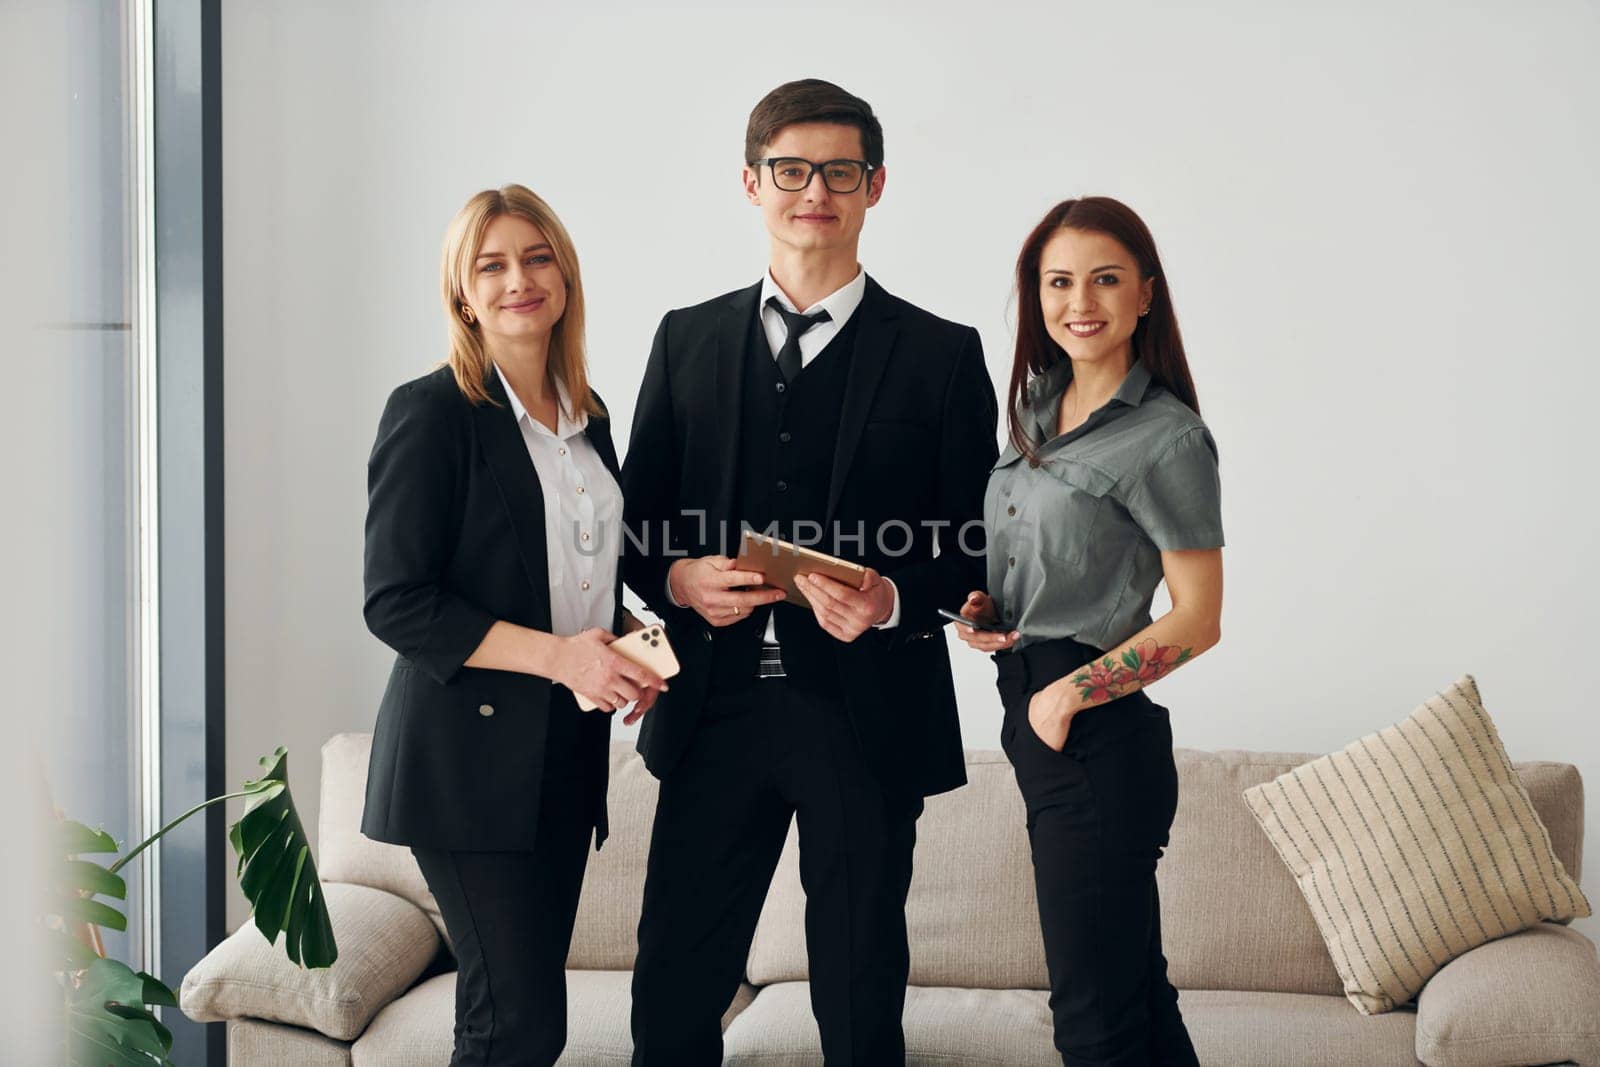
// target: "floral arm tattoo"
[[1107, 679]]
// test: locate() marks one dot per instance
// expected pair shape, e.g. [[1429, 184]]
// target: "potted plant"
[[108, 1015]]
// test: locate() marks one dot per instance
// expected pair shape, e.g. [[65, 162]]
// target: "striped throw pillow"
[[1414, 845]]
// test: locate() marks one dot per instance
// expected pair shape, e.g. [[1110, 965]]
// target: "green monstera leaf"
[[276, 870], [108, 1006], [109, 1019], [76, 882]]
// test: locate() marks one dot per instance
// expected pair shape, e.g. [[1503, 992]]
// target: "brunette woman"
[[1109, 486]]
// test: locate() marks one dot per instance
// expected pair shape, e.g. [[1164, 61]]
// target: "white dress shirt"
[[840, 305], [582, 516]]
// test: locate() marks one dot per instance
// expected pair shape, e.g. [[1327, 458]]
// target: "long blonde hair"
[[468, 359]]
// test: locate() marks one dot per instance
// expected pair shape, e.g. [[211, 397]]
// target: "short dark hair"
[[812, 100]]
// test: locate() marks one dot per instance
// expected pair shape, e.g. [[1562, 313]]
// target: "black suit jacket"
[[455, 540], [916, 444]]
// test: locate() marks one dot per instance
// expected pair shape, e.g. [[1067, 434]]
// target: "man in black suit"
[[816, 406]]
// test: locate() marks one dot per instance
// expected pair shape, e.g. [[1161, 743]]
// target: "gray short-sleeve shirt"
[[1075, 544]]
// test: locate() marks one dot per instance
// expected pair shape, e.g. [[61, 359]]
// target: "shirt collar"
[[566, 425], [1044, 393], [839, 304], [1133, 388], [1048, 386]]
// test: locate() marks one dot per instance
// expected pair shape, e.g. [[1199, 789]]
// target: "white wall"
[[1379, 227]]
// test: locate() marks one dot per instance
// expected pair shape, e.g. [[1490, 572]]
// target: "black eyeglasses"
[[792, 174]]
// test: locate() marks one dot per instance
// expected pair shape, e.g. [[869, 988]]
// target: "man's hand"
[[710, 585], [847, 613]]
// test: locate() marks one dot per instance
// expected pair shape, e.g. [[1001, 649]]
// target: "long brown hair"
[[1156, 340], [468, 359]]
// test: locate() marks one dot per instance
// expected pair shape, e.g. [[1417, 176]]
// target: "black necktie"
[[796, 324]]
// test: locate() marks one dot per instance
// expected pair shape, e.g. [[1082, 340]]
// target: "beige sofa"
[[1257, 985]]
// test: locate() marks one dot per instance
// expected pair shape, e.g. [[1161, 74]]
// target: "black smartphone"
[[986, 627]]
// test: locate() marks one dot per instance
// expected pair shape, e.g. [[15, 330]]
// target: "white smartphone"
[[648, 648]]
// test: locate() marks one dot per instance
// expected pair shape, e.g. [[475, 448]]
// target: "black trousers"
[[760, 757], [1098, 816], [510, 914]]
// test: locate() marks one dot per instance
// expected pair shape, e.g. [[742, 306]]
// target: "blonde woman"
[[492, 539]]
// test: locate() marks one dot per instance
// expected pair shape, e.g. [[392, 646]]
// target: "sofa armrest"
[[384, 944], [1530, 997]]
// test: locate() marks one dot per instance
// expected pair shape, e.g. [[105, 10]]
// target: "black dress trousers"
[[761, 756], [1098, 816], [510, 914]]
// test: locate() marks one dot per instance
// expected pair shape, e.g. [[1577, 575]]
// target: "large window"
[[72, 242], [110, 325]]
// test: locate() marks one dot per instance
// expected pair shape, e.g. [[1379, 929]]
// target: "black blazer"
[[916, 444], [455, 540]]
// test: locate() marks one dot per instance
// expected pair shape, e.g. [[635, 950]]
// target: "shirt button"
[[781, 387], [784, 437], [580, 491], [1011, 561], [1012, 510], [561, 451], [486, 710], [585, 537], [584, 585], [783, 487]]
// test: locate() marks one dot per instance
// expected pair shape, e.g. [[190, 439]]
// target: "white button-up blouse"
[[582, 516]]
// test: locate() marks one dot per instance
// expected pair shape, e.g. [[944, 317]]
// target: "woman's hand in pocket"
[[979, 607], [1050, 713]]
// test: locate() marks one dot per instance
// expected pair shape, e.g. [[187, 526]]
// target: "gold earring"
[[466, 315]]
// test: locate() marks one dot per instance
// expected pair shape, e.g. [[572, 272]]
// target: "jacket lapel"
[[598, 431], [734, 325], [506, 455], [875, 338]]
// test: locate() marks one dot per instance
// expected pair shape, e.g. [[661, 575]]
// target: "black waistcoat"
[[787, 438]]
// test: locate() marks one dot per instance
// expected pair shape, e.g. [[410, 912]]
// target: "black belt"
[[770, 664]]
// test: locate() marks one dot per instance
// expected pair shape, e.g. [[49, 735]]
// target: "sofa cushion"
[[252, 1043], [970, 924], [604, 937], [418, 1029], [1273, 1029], [1532, 997], [384, 943], [343, 853], [1413, 845], [971, 915], [943, 1026], [1007, 1027], [1221, 874], [973, 919]]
